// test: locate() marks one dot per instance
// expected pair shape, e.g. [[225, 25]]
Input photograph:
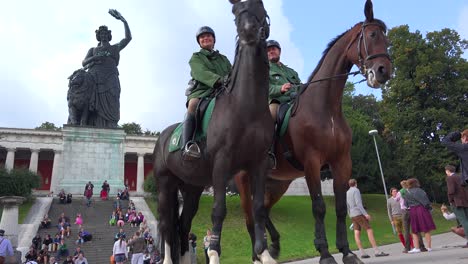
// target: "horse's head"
[[252, 21], [368, 49]]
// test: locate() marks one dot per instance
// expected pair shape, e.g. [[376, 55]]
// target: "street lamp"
[[373, 133]]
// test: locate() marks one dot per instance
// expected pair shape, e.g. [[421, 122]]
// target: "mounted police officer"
[[284, 84], [209, 70]]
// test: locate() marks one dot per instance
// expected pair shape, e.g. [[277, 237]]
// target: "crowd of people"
[[141, 244], [53, 247], [410, 210]]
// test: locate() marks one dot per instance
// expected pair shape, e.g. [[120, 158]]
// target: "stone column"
[[34, 160], [56, 170], [140, 173], [10, 158], [9, 221]]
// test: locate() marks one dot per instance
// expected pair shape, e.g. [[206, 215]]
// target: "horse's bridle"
[[362, 61], [265, 22]]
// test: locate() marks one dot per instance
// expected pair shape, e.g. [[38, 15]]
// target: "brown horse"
[[319, 135], [238, 140]]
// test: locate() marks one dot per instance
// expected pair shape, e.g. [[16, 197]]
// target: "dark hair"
[[413, 183], [450, 168], [98, 31], [393, 188]]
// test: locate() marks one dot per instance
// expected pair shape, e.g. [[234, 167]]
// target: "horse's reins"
[[361, 63]]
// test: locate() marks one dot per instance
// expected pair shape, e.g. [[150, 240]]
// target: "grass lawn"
[[293, 219], [23, 210]]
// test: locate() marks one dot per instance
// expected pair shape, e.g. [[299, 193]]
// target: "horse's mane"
[[333, 42]]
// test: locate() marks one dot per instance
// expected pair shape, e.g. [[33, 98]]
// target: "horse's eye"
[[373, 34]]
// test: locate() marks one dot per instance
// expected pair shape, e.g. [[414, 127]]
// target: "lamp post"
[[373, 133]]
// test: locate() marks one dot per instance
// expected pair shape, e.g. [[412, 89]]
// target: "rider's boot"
[[191, 148]]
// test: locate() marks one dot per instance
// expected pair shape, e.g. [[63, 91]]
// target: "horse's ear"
[[234, 1], [369, 11]]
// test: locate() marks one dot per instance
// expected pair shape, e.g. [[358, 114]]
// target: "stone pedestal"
[[9, 221], [90, 154]]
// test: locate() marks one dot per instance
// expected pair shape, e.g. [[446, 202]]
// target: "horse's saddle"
[[202, 118]]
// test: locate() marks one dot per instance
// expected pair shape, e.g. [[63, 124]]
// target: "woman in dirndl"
[[420, 214]]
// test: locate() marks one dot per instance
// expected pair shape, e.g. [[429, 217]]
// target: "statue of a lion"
[[80, 97]]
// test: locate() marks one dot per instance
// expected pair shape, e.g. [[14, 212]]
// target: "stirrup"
[[272, 160], [192, 150]]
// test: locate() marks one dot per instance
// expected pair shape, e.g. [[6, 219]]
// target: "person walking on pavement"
[[457, 197], [406, 220], [360, 219], [396, 213], [421, 219]]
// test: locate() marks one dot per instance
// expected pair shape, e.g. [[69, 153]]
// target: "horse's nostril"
[[382, 70]]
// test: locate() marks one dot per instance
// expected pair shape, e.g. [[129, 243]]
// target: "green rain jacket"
[[207, 67], [279, 75]]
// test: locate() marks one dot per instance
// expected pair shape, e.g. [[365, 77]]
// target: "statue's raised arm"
[[128, 35]]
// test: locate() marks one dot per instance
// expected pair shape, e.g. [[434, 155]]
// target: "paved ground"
[[446, 250]]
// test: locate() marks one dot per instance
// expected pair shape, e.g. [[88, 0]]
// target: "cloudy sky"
[[43, 42]]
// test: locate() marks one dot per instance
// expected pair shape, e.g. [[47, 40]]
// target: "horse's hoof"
[[352, 259], [265, 258], [214, 257], [274, 252], [329, 260]]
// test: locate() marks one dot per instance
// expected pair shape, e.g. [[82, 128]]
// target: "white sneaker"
[[414, 250], [429, 249]]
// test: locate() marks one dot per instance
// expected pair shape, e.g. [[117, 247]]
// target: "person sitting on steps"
[[210, 70]]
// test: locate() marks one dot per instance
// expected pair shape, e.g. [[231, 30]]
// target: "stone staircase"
[[95, 221]]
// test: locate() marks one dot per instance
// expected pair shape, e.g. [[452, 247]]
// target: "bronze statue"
[[100, 64]]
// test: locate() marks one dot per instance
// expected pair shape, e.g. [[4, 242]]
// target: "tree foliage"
[[18, 182], [426, 99], [361, 112], [48, 126], [132, 128]]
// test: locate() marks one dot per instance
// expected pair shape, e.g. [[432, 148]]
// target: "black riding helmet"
[[273, 43], [203, 30]]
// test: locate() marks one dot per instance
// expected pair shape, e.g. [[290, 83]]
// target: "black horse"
[[318, 134], [238, 139]]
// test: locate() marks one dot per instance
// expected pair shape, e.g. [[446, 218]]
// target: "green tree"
[[426, 98], [18, 182], [48, 126], [132, 128], [361, 112], [150, 133]]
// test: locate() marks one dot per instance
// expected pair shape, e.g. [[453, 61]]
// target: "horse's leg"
[[341, 171], [312, 172], [168, 216], [274, 190], [218, 213], [243, 186], [258, 176], [191, 195]]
